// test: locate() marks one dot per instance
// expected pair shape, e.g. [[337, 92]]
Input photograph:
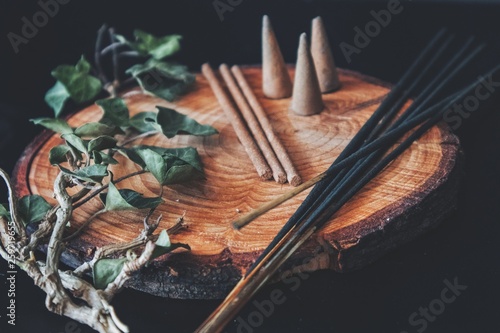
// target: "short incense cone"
[[276, 81], [306, 98], [323, 60]]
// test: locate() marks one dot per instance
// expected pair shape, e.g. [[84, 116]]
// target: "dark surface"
[[379, 298]]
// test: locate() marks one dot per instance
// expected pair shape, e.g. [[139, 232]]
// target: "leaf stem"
[[105, 186], [97, 53]]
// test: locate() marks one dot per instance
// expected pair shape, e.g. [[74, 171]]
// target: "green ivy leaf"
[[101, 142], [182, 164], [162, 79], [75, 142], [96, 129], [126, 199], [102, 158], [4, 212], [92, 173], [106, 270], [80, 85], [32, 208], [115, 112], [154, 163], [163, 245], [54, 124], [58, 154], [113, 200], [158, 47], [173, 123], [178, 156], [145, 122], [56, 97]]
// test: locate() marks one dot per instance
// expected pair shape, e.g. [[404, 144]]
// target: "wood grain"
[[411, 195]]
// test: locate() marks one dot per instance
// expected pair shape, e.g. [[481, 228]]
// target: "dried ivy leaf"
[[32, 208], [163, 245], [106, 270], [145, 122], [56, 97], [54, 124], [162, 79], [92, 173], [80, 85], [115, 112], [157, 47], [97, 129], [126, 199], [101, 142], [58, 154], [75, 142], [173, 123]]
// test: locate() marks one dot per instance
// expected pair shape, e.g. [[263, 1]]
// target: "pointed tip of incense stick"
[[306, 97], [323, 59], [276, 82]]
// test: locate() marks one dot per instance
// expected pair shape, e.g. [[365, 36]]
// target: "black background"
[[378, 298]]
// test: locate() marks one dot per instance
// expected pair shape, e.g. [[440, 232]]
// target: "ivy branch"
[[85, 159]]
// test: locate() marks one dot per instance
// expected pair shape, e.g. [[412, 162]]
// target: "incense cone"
[[323, 60], [276, 81], [306, 98]]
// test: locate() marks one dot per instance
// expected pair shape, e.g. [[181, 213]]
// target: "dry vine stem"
[[95, 310]]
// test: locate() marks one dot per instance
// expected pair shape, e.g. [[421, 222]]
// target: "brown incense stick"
[[292, 174], [253, 124], [239, 126]]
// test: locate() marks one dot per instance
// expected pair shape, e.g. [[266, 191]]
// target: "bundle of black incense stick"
[[368, 153]]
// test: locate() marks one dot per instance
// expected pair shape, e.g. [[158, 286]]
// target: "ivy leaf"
[[115, 112], [113, 200], [158, 47], [173, 123], [75, 142], [92, 173], [79, 84], [187, 155], [182, 164], [106, 270], [102, 158], [145, 122], [54, 124], [163, 245], [154, 163], [162, 79], [126, 199], [101, 142], [32, 208], [4, 212], [56, 97], [97, 129], [58, 154]]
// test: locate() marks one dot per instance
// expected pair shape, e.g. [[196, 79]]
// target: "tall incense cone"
[[276, 81], [306, 98], [323, 60]]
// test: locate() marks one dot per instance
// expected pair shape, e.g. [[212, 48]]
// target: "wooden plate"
[[411, 195]]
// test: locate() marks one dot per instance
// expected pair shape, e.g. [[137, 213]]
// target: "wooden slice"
[[411, 195]]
